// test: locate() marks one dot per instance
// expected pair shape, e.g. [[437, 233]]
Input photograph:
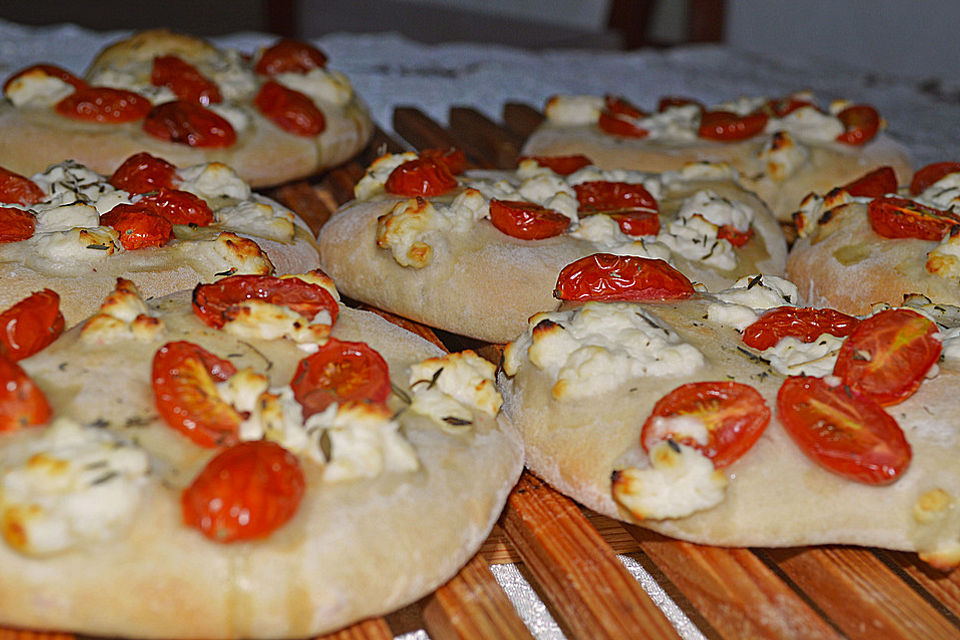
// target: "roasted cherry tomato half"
[[30, 325], [420, 177], [142, 172], [184, 80], [50, 70], [930, 174], [245, 492], [178, 207], [619, 126], [562, 165], [17, 189], [105, 105], [781, 107], [617, 106], [726, 125], [454, 159], [733, 414], [805, 324], [894, 217], [526, 220], [605, 276], [290, 56], [16, 224], [631, 205], [340, 372], [290, 110], [218, 303], [733, 235], [668, 102], [874, 184], [139, 227], [184, 385], [887, 356], [860, 124], [22, 403], [189, 123], [843, 432]]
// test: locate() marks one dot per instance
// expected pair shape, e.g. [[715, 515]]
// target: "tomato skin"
[[177, 207], [245, 492], [734, 414], [30, 325], [617, 126], [22, 403], [452, 158], [734, 236], [16, 224], [340, 372], [290, 56], [605, 276], [217, 303], [803, 323], [17, 189], [138, 226], [617, 106], [930, 174], [874, 184], [561, 165], [781, 107], [142, 172], [843, 432], [290, 110], [887, 356], [191, 124], [50, 70], [726, 125], [420, 177], [860, 123], [104, 105], [631, 205], [526, 220], [186, 82], [183, 381], [894, 217]]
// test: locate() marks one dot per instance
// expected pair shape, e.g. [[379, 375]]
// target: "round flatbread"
[[34, 135]]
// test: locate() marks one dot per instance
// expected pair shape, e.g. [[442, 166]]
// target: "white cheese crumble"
[[213, 181], [942, 194], [574, 110], [741, 305], [319, 85], [266, 321], [793, 357], [463, 377], [371, 184], [37, 89], [809, 123], [944, 259], [122, 316], [69, 183], [783, 156], [228, 254], [259, 219]]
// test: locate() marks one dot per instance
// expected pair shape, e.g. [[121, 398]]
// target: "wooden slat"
[[372, 629], [422, 132], [943, 587], [301, 198], [472, 606], [498, 146], [26, 634], [521, 119], [591, 593]]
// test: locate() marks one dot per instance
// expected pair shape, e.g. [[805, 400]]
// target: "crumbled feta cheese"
[[123, 315], [258, 219], [37, 89], [792, 357], [783, 156], [464, 376], [212, 181], [740, 305], [319, 85], [570, 110], [372, 182]]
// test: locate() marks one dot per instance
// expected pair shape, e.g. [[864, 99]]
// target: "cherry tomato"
[[340, 372], [930, 174], [617, 106], [617, 126], [290, 110], [245, 492], [638, 223], [138, 226], [726, 125], [186, 82], [16, 224], [887, 356], [454, 159], [874, 184], [562, 165], [178, 207], [22, 403], [290, 56], [860, 123], [30, 325], [604, 276], [16, 189], [420, 177], [631, 205], [667, 102], [734, 415], [218, 303], [50, 70], [191, 124], [805, 324], [184, 378], [781, 107], [142, 172], [843, 432], [526, 220], [105, 105], [733, 235], [893, 217]]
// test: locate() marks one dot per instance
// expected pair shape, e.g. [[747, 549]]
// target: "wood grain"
[[499, 147], [372, 629], [521, 119]]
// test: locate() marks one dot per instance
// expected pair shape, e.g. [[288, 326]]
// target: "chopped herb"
[[99, 247], [100, 423], [757, 279], [400, 393], [228, 272], [754, 357], [673, 445], [107, 477], [457, 422]]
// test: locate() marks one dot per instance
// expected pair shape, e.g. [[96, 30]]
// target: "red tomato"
[[843, 432], [734, 236], [105, 105], [638, 223], [16, 189], [887, 356], [781, 107], [893, 217], [860, 123], [50, 70], [22, 403], [420, 177], [676, 101], [726, 125], [873, 184], [290, 110], [143, 172], [734, 415], [184, 378], [138, 226], [617, 106], [631, 205], [245, 492], [803, 323], [178, 207], [191, 124], [617, 126], [16, 224], [290, 56], [217, 303], [562, 165], [186, 82], [454, 159], [930, 174], [30, 325], [526, 220], [340, 372], [604, 276]]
